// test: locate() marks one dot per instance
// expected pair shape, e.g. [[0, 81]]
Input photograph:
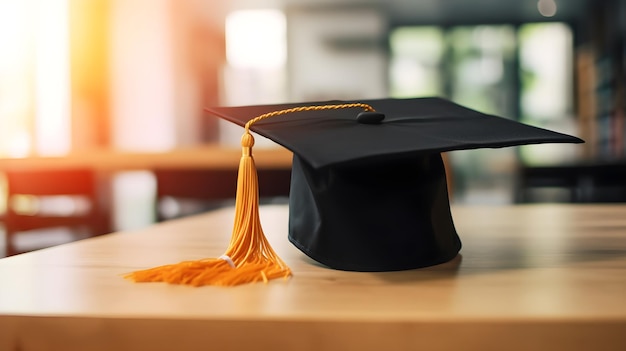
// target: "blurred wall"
[[337, 53], [165, 59]]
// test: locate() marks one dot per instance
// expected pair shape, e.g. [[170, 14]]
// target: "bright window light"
[[16, 35], [414, 67], [52, 78], [256, 39], [34, 78]]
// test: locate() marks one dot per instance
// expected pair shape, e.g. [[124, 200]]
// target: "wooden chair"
[[46, 199], [198, 190]]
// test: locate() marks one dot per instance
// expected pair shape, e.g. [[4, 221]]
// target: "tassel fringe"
[[249, 251], [249, 257]]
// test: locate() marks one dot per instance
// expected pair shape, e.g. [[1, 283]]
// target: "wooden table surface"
[[203, 156], [533, 277]]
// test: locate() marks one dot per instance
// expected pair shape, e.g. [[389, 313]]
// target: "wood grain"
[[206, 156], [543, 277]]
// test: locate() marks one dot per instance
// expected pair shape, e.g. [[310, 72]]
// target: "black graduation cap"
[[368, 189]]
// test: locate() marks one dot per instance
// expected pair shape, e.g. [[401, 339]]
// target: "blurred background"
[[135, 74]]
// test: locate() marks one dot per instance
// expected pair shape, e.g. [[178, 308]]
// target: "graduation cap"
[[368, 187]]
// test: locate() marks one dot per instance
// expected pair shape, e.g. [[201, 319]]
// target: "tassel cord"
[[254, 258]]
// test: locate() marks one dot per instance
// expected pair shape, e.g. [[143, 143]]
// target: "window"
[[417, 54], [518, 72], [256, 53], [34, 78], [546, 87]]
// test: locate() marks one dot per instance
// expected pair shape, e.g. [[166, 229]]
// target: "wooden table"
[[204, 156], [533, 277], [107, 163]]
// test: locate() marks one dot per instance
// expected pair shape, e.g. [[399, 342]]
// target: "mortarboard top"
[[369, 194], [368, 190], [410, 127]]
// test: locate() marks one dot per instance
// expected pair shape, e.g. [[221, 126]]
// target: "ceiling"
[[478, 11], [441, 11]]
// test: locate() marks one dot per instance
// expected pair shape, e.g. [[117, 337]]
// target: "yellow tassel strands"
[[249, 257]]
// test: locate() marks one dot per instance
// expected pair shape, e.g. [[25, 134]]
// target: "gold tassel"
[[249, 257]]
